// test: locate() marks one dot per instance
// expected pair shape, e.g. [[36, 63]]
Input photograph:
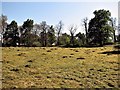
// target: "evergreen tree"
[[99, 30], [11, 35]]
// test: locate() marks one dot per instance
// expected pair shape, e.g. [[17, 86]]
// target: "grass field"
[[52, 67]]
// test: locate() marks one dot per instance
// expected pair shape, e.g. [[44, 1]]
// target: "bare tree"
[[36, 29], [3, 26], [85, 24], [44, 29], [3, 23], [113, 24], [59, 28], [72, 30]]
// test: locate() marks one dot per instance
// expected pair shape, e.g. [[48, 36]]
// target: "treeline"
[[99, 31]]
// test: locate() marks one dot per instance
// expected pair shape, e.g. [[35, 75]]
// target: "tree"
[[98, 30], [51, 36], [65, 39], [119, 33], [85, 24], [108, 33], [11, 35], [34, 40], [3, 23], [3, 26], [22, 35], [44, 30], [72, 30], [118, 38], [36, 29], [26, 31], [59, 28], [113, 24], [81, 38]]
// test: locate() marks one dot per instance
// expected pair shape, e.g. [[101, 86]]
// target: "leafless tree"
[[44, 28], [36, 29], [113, 24], [3, 26], [72, 30], [3, 23], [59, 28], [85, 24]]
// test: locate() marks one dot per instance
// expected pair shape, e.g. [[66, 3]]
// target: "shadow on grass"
[[117, 47], [110, 52]]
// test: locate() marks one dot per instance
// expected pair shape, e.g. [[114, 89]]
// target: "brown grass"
[[52, 67]]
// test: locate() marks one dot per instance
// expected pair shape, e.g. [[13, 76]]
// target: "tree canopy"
[[99, 31]]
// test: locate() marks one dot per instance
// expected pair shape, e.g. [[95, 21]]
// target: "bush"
[[109, 43], [36, 44]]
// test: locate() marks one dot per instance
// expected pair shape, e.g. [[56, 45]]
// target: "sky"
[[52, 12]]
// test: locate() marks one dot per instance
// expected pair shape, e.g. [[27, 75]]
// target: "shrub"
[[36, 44]]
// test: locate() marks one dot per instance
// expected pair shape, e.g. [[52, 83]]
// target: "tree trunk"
[[86, 33], [114, 36], [58, 41]]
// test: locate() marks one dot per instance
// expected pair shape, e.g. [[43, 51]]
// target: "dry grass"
[[52, 67]]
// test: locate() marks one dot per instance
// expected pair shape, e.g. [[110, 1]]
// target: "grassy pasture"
[[53, 67]]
